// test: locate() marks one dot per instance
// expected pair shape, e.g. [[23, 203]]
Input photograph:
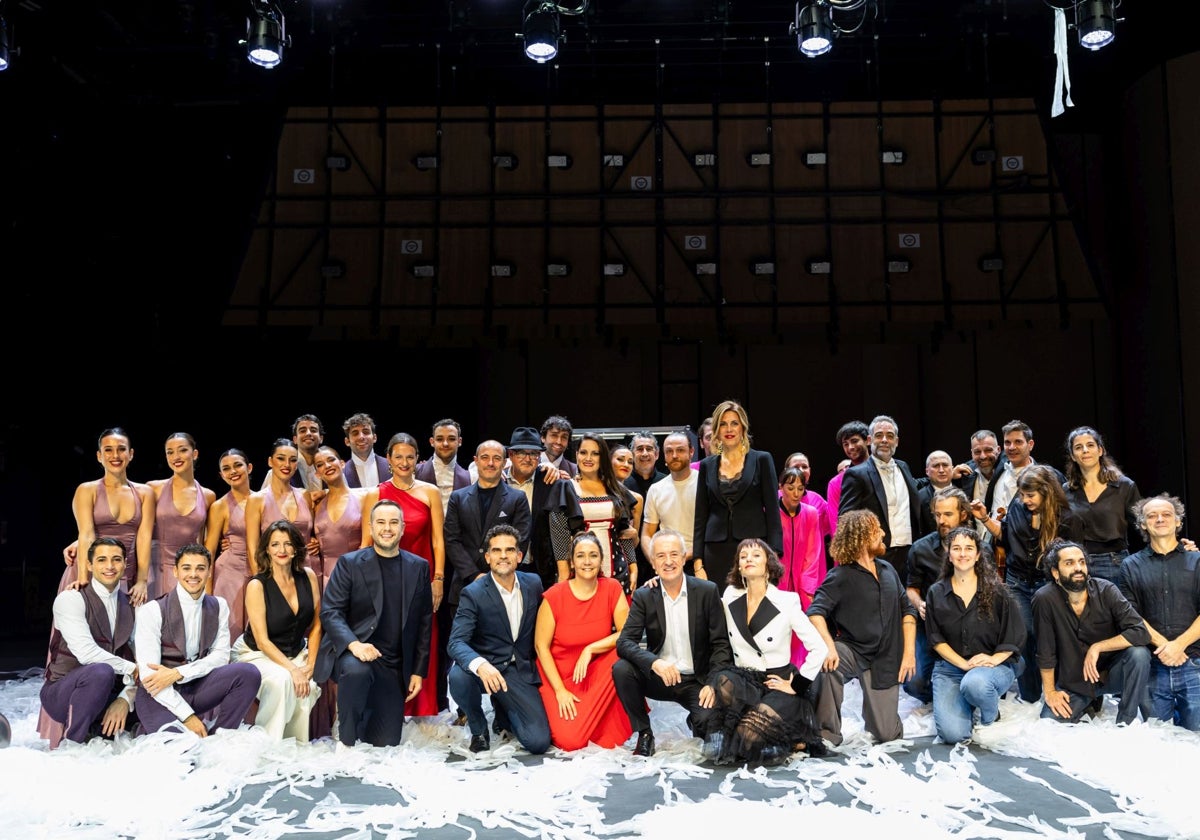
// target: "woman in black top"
[[1027, 532], [1102, 497], [737, 496], [971, 623], [283, 608]]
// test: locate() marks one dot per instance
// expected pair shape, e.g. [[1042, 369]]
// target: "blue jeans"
[[957, 694], [1174, 693], [1128, 676], [1029, 681], [918, 685], [1107, 566]]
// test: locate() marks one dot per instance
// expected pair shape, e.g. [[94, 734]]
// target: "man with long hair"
[[863, 601]]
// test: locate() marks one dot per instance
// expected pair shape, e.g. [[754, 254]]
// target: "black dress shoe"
[[480, 743], [645, 743]]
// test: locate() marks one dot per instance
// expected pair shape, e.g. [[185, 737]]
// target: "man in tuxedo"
[[376, 617], [491, 643], [883, 485], [365, 467], [442, 470], [686, 638]]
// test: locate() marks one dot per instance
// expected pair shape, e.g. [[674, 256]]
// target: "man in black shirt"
[[863, 602], [1162, 582], [1090, 640]]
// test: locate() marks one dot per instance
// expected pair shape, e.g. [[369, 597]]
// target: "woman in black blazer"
[[737, 496]]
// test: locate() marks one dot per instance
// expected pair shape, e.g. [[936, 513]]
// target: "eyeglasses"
[[525, 453]]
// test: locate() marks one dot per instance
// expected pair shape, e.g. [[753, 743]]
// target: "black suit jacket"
[[381, 466], [464, 536], [353, 602], [706, 628], [424, 472], [862, 489], [481, 628], [752, 512]]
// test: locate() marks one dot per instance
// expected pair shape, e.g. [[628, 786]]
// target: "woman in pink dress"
[[180, 513], [421, 503], [337, 526], [114, 506], [803, 556], [225, 538], [576, 641], [278, 499]]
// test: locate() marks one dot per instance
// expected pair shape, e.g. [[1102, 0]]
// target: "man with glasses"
[[534, 479]]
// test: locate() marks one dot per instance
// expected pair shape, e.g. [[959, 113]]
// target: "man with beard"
[[978, 477], [1090, 640], [852, 438], [951, 509], [671, 504], [862, 602], [556, 437]]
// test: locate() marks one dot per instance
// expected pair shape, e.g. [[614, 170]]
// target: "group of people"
[[349, 595]]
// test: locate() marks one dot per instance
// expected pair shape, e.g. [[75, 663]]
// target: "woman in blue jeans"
[[973, 625]]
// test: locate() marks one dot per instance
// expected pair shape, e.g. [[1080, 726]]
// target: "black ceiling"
[[407, 52]]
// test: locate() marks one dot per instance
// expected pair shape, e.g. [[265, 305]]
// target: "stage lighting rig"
[[541, 29], [817, 23]]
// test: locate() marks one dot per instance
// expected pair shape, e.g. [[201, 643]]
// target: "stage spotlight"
[[266, 34], [1096, 21], [541, 30], [813, 30], [3, 44]]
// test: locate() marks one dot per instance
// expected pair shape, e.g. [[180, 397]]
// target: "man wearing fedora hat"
[[534, 479]]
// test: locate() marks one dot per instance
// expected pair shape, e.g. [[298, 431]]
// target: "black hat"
[[526, 437]]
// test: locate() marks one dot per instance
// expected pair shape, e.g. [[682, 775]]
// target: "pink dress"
[[418, 539], [303, 521], [338, 537], [106, 525], [172, 531], [231, 571]]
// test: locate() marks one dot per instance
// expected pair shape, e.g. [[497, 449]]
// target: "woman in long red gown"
[[575, 638]]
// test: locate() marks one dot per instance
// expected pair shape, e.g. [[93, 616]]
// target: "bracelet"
[[439, 577]]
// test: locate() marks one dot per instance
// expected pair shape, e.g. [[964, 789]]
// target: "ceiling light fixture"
[[541, 29], [813, 29], [266, 34], [1096, 21]]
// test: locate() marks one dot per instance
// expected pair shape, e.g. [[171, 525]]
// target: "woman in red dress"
[[575, 638], [421, 504]]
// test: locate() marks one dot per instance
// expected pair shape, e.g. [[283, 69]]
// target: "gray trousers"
[[881, 706]]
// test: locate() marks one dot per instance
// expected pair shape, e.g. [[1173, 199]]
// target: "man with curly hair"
[[868, 624]]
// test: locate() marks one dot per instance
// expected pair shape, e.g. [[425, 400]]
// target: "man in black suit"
[[491, 643], [686, 638], [471, 512], [365, 467], [377, 616], [883, 485], [977, 478], [474, 510], [442, 469]]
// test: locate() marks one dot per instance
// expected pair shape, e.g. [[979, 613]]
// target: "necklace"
[[407, 489]]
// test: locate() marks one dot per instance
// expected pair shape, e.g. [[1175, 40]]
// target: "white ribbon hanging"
[[1062, 77]]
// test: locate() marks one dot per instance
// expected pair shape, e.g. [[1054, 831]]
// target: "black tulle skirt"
[[761, 725]]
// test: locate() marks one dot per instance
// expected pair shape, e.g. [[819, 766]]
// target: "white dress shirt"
[[1006, 485], [147, 646], [898, 511], [368, 470], [677, 638], [70, 618], [443, 476]]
